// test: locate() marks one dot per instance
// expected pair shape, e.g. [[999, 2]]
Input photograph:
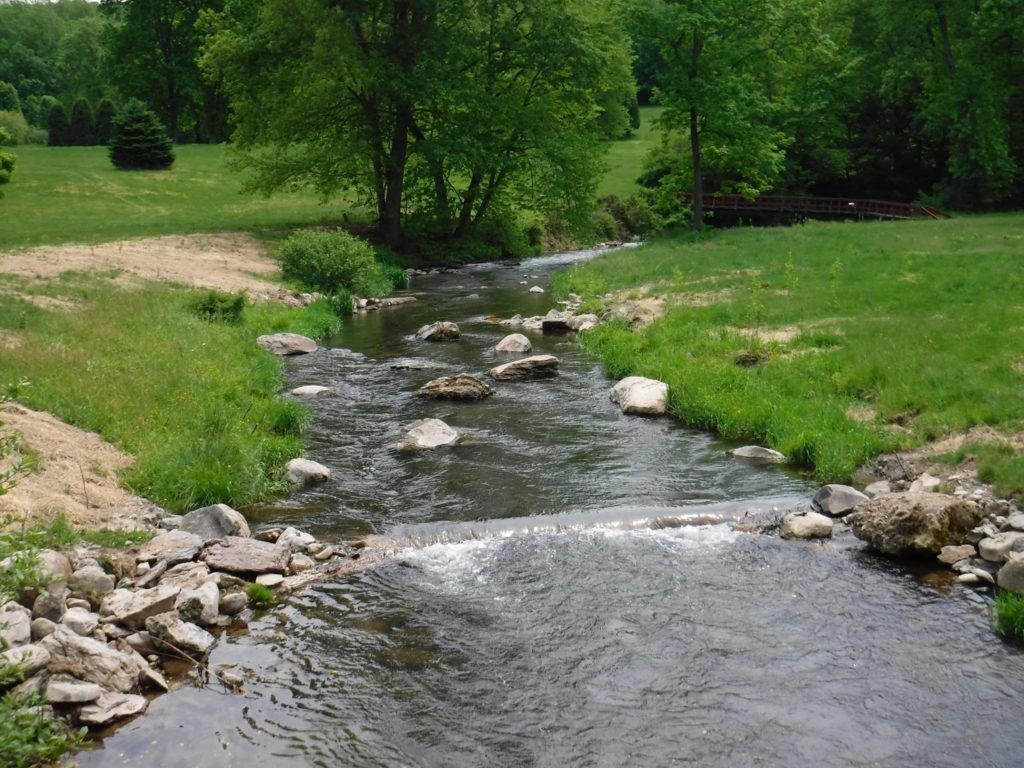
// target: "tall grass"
[[196, 402], [920, 321]]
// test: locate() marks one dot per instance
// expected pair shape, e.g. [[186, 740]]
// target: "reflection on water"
[[541, 624]]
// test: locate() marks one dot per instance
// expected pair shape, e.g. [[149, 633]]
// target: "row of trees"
[[80, 129]]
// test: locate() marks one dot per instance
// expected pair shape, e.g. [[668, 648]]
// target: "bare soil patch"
[[225, 262], [76, 475]]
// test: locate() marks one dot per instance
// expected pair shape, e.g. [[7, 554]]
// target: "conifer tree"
[[139, 140], [105, 114], [83, 132], [58, 126]]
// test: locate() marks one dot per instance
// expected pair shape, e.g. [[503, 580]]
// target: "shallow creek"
[[540, 613]]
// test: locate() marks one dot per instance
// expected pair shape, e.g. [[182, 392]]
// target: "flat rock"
[[184, 635], [270, 580], [285, 344], [439, 331], [111, 707], [837, 500], [91, 579], [186, 576], [955, 553], [425, 434], [1011, 575], [514, 344], [199, 605], [173, 547], [527, 369], [306, 472], [915, 523], [29, 658], [90, 660], [758, 453], [238, 555], [805, 525], [640, 396], [311, 390], [996, 549], [80, 621], [64, 689], [133, 608], [461, 387], [215, 522]]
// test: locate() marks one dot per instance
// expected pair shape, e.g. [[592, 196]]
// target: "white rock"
[[15, 628], [92, 661], [81, 621], [514, 343], [758, 453], [173, 546], [92, 579], [111, 707], [199, 605], [300, 563], [439, 331], [295, 539], [29, 658], [64, 689], [185, 576], [526, 369], [270, 580], [428, 433], [996, 549], [183, 635], [306, 472], [1011, 575], [584, 322], [133, 608], [640, 396], [311, 390], [805, 525], [536, 289]]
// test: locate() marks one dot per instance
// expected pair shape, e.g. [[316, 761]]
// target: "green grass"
[[74, 194], [625, 158], [194, 401], [260, 595], [1009, 615], [921, 321]]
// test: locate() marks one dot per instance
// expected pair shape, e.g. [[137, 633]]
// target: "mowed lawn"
[[74, 194], [625, 159], [832, 342]]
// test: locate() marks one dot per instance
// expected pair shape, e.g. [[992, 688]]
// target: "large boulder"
[[285, 344], [81, 621], [915, 523], [515, 344], [639, 396], [173, 547], [805, 525], [234, 554], [461, 387], [199, 605], [527, 369], [90, 660], [439, 331], [133, 608], [837, 500], [214, 522], [306, 472], [428, 433]]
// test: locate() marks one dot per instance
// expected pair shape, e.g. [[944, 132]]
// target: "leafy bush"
[[1009, 615], [332, 262], [220, 307], [29, 737], [58, 126], [83, 132], [139, 141], [9, 101], [16, 126], [6, 161]]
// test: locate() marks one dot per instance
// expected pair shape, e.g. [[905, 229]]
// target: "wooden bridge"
[[816, 207]]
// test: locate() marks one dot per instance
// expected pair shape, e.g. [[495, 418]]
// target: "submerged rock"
[[439, 331], [805, 525], [837, 500], [514, 343], [915, 523], [461, 387], [529, 368], [111, 707], [758, 453], [215, 522], [285, 344], [640, 396], [428, 433], [305, 472]]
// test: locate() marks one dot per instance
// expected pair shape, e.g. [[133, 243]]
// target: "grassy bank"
[[74, 194], [831, 342], [194, 400]]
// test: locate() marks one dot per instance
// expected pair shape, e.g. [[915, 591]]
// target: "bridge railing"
[[843, 207]]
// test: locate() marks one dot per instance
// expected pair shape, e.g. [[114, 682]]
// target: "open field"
[[74, 194], [832, 342], [626, 157]]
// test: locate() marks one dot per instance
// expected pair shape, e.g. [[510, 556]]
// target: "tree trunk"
[[698, 166], [394, 182]]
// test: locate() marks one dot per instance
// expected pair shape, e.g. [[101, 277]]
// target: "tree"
[[6, 161], [82, 131], [9, 101], [442, 113], [139, 140], [153, 46], [58, 126], [105, 114]]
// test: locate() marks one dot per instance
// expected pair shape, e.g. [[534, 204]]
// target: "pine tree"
[[139, 140], [58, 127], [105, 114], [83, 132]]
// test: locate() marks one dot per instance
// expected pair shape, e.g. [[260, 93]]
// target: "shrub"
[[58, 126], [332, 262], [215, 306], [37, 110], [6, 161], [83, 132], [16, 126], [1009, 615], [9, 101], [105, 114], [139, 140], [30, 737]]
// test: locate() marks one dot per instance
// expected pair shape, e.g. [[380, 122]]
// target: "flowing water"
[[553, 602]]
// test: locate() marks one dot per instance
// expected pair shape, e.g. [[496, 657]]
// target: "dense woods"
[[487, 118]]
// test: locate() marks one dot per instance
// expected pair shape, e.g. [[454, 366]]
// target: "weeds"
[[30, 736], [260, 596], [1009, 615]]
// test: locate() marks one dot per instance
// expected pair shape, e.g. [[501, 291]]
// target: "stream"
[[549, 605]]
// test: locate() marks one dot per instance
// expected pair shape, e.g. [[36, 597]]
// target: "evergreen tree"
[[58, 126], [139, 139], [9, 101], [105, 115], [83, 132]]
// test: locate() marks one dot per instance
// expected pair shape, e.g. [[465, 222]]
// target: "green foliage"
[[261, 596], [997, 463], [195, 402], [16, 127], [219, 307], [139, 141], [1009, 615], [30, 737], [105, 114], [9, 101], [953, 360], [6, 160], [37, 110], [334, 261], [82, 132], [58, 127]]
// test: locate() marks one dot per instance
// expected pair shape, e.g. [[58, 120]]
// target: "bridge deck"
[[825, 207]]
